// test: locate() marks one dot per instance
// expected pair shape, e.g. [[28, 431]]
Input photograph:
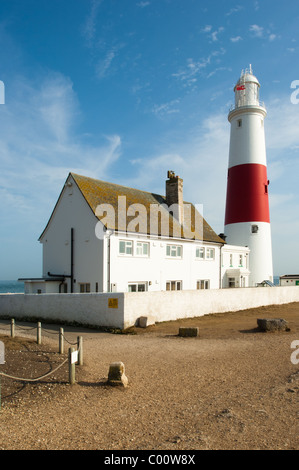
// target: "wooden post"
[[80, 350], [39, 333], [72, 367], [12, 328], [61, 341]]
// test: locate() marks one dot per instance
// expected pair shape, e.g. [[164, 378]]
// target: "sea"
[[11, 287]]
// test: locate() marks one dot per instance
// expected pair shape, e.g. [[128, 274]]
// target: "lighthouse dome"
[[247, 89]]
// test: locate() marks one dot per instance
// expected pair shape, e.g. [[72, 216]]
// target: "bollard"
[[80, 350], [116, 375], [61, 341], [12, 327], [72, 366], [39, 333]]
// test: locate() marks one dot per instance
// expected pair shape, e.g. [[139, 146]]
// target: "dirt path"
[[231, 388]]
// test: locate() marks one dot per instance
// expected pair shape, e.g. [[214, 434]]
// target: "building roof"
[[98, 192]]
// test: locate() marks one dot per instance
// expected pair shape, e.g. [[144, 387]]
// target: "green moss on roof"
[[98, 192]]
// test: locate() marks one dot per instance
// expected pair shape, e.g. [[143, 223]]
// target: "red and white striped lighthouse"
[[247, 218]]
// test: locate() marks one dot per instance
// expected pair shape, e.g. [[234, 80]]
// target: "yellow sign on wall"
[[113, 303]]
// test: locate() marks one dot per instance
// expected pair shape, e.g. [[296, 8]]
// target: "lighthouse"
[[247, 217]]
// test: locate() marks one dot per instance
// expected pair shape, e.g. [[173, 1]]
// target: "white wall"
[[72, 211], [86, 309], [157, 269], [165, 306], [93, 309]]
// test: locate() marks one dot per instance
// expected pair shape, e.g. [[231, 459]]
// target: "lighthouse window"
[[239, 123], [254, 228]]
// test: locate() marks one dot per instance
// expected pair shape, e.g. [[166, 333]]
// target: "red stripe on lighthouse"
[[247, 194]]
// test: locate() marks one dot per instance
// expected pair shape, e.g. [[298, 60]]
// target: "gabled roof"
[[98, 192]]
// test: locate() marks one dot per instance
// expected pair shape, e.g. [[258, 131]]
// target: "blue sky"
[[124, 90]]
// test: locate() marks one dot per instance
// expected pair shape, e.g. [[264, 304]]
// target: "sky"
[[125, 90]]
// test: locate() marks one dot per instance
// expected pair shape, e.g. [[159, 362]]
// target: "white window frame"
[[210, 251], [202, 284], [128, 243], [137, 286], [84, 287], [174, 285], [173, 251], [139, 249], [200, 252]]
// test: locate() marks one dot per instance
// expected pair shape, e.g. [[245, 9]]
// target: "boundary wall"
[[122, 310]]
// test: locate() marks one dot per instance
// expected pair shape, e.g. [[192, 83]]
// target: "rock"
[[272, 324], [116, 375], [189, 332], [143, 322]]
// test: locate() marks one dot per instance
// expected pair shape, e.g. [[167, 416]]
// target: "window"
[[84, 288], [174, 251], [63, 288], [231, 260], [142, 249], [241, 260], [239, 123], [138, 287], [200, 252], [254, 228], [125, 247], [210, 253], [174, 285], [203, 284]]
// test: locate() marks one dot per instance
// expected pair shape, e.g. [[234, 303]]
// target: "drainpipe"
[[220, 267], [72, 260], [109, 233]]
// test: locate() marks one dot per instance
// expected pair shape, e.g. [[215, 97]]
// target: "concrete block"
[[143, 322], [116, 375], [189, 332], [272, 324]]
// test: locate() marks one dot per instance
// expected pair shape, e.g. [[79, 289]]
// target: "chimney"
[[174, 196]]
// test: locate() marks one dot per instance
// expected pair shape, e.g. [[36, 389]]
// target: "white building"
[[102, 237]]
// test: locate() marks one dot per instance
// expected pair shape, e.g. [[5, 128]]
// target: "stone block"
[[189, 332], [272, 324], [143, 322], [116, 375]]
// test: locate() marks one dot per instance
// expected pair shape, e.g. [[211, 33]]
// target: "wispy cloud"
[[143, 4], [215, 34], [234, 10], [256, 30], [236, 39], [190, 73], [89, 26], [39, 145], [166, 108]]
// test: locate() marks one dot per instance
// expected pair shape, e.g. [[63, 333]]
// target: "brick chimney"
[[174, 196]]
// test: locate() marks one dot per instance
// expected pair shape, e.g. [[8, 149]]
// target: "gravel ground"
[[232, 387]]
